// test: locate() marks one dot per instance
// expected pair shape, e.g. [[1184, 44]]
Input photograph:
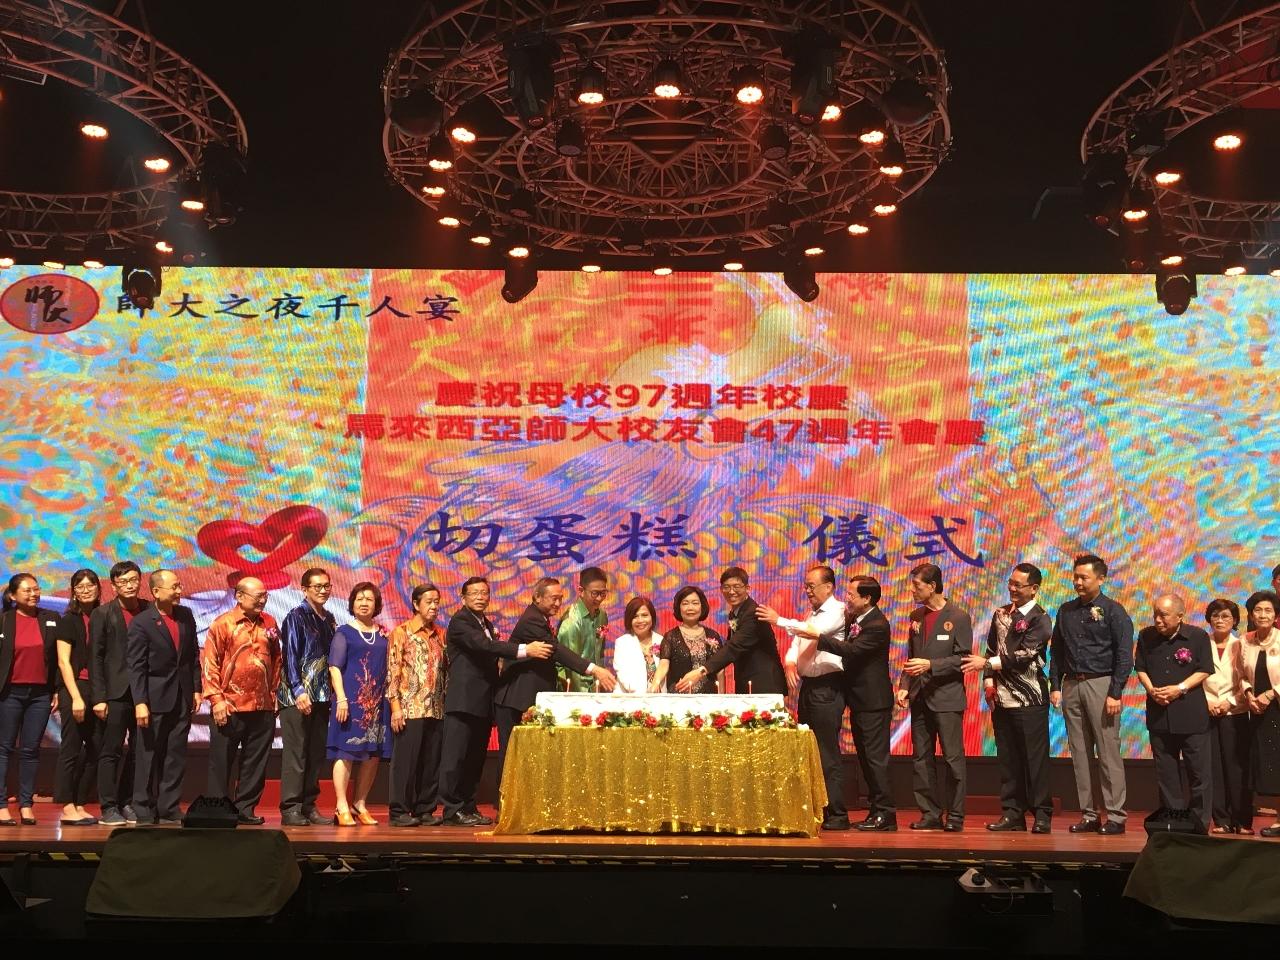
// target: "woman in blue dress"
[[358, 728]]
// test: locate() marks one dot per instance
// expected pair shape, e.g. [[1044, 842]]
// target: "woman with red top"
[[81, 729], [27, 671]]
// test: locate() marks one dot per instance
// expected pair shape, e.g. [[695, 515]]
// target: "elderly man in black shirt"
[[1173, 662], [1090, 662]]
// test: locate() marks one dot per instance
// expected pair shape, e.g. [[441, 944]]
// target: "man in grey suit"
[[940, 635]]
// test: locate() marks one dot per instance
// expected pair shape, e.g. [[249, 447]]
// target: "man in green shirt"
[[582, 629]]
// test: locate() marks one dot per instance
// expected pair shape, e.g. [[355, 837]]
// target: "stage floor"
[[975, 844]]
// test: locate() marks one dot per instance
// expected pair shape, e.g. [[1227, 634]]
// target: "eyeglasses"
[[598, 594], [127, 581], [86, 587], [321, 587], [1019, 586]]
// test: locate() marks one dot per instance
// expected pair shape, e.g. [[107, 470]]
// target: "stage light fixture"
[[417, 115], [570, 139], [893, 158], [6, 262], [800, 278], [464, 125], [591, 260], [813, 54], [519, 247], [225, 180], [1226, 142], [906, 102], [1274, 267], [1146, 134], [164, 246], [867, 122], [519, 278], [95, 255], [631, 237], [449, 215], [591, 86], [1234, 263], [521, 204], [1137, 249], [808, 240], [778, 215], [1175, 289], [884, 199], [774, 142], [54, 257], [660, 262], [748, 85], [433, 189], [93, 130], [1167, 176], [831, 112], [1104, 185], [531, 78], [668, 79], [439, 154], [480, 233], [141, 278], [885, 209], [858, 226], [191, 194], [156, 164], [732, 258], [1137, 210]]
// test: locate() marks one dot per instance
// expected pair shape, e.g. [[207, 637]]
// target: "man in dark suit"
[[869, 694], [473, 649], [1018, 693], [522, 680], [164, 675], [751, 645], [1173, 662], [940, 635], [112, 698]]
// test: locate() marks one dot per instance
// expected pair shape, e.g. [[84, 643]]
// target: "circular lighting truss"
[[1222, 69], [688, 171], [131, 70]]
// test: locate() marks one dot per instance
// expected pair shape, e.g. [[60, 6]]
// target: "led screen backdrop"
[[405, 425]]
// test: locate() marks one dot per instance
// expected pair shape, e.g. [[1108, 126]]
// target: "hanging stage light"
[[813, 54], [191, 194], [1104, 185], [480, 232], [439, 154], [417, 114], [1137, 210], [1175, 289], [893, 158], [1234, 263], [774, 142], [519, 278], [778, 215], [748, 85], [799, 276], [661, 261], [570, 139], [907, 102], [732, 258], [531, 77], [141, 278], [521, 204], [591, 86], [591, 262], [668, 79], [631, 237]]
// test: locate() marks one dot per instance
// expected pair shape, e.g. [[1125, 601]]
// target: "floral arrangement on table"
[[715, 721]]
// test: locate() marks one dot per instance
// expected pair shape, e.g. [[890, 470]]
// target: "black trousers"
[[248, 734], [1230, 740], [160, 761], [415, 768], [78, 754], [506, 719], [464, 742], [1022, 749], [1196, 755], [927, 728], [821, 706], [302, 757], [116, 762], [871, 739]]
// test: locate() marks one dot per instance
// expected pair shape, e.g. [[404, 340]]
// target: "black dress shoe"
[[879, 822], [1271, 831], [954, 826], [294, 820], [1084, 826], [467, 820], [927, 824], [834, 824], [1111, 828], [1008, 823], [404, 820], [431, 820], [1040, 826], [168, 822], [318, 819], [250, 820]]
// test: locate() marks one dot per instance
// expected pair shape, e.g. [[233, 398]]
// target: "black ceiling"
[[1026, 77]]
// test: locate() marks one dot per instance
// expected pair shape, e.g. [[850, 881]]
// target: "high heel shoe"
[[343, 818], [366, 818]]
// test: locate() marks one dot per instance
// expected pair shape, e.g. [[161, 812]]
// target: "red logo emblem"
[[283, 538], [49, 303]]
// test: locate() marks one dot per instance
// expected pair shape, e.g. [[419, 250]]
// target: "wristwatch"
[[1182, 687]]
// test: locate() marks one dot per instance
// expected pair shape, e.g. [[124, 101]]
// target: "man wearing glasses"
[[1018, 694], [112, 698], [582, 629], [305, 637], [240, 667]]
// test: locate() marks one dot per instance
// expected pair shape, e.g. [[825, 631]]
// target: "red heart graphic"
[[285, 537]]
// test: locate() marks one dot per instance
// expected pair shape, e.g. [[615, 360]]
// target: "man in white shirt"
[[819, 676]]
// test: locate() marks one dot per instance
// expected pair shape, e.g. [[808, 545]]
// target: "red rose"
[[602, 718], [696, 723], [747, 716], [650, 722], [767, 717], [585, 720], [638, 715], [720, 722]]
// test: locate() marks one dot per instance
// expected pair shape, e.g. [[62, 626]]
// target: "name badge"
[[50, 623], [944, 636]]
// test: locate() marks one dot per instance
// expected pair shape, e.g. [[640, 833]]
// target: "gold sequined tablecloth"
[[662, 781]]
